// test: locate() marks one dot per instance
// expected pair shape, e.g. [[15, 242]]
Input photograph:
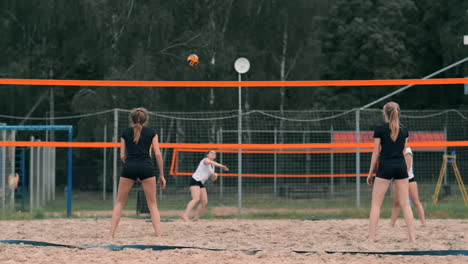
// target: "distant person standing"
[[413, 192], [204, 171], [135, 144], [389, 143]]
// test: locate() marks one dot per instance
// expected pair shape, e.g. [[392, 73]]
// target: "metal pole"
[[358, 162], [23, 179], [49, 174], [307, 163], [46, 169], [13, 169], [44, 176], [70, 174], [445, 153], [53, 172], [239, 158], [104, 166], [31, 177], [275, 164], [38, 175], [4, 164], [332, 166], [114, 172], [219, 140]]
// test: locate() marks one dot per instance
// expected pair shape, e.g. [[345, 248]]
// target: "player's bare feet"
[[185, 218], [111, 237]]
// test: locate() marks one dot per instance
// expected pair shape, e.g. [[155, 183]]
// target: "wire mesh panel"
[[277, 177], [294, 178], [8, 177]]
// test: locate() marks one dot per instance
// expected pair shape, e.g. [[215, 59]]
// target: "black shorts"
[[412, 180], [194, 182], [135, 170], [392, 173]]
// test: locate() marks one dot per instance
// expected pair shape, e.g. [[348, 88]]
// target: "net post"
[[358, 162]]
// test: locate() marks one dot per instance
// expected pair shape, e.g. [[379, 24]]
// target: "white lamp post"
[[242, 65]]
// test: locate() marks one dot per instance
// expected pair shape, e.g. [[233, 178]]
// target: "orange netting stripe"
[[232, 83], [227, 146], [276, 175], [277, 151]]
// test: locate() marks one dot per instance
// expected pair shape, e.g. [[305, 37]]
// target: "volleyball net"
[[294, 159], [287, 159]]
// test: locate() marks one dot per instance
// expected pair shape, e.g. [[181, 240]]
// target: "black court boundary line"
[[247, 251], [402, 253], [38, 243]]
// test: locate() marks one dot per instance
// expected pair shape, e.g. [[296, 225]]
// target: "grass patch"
[[265, 206]]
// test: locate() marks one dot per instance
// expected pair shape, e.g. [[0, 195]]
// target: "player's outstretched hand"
[[225, 168]]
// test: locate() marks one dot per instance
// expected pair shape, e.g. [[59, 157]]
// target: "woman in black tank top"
[[389, 143], [135, 146]]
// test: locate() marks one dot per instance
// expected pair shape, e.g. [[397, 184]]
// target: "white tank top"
[[410, 172], [203, 172]]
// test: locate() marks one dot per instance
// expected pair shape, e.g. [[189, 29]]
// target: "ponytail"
[[392, 114], [394, 122], [137, 132], [138, 117]]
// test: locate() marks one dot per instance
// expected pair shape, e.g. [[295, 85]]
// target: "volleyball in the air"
[[192, 60]]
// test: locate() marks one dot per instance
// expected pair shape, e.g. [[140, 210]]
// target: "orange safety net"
[[49, 82]]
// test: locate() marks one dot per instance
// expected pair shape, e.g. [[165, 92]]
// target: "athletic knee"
[[404, 203], [195, 200], [204, 202], [122, 199]]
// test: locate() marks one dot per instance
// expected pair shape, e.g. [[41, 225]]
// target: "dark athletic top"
[[391, 154], [138, 152]]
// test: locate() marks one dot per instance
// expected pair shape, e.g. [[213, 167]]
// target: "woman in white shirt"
[[413, 192], [204, 171]]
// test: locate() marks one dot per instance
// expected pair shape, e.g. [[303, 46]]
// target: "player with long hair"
[[390, 141], [413, 192], [135, 143]]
